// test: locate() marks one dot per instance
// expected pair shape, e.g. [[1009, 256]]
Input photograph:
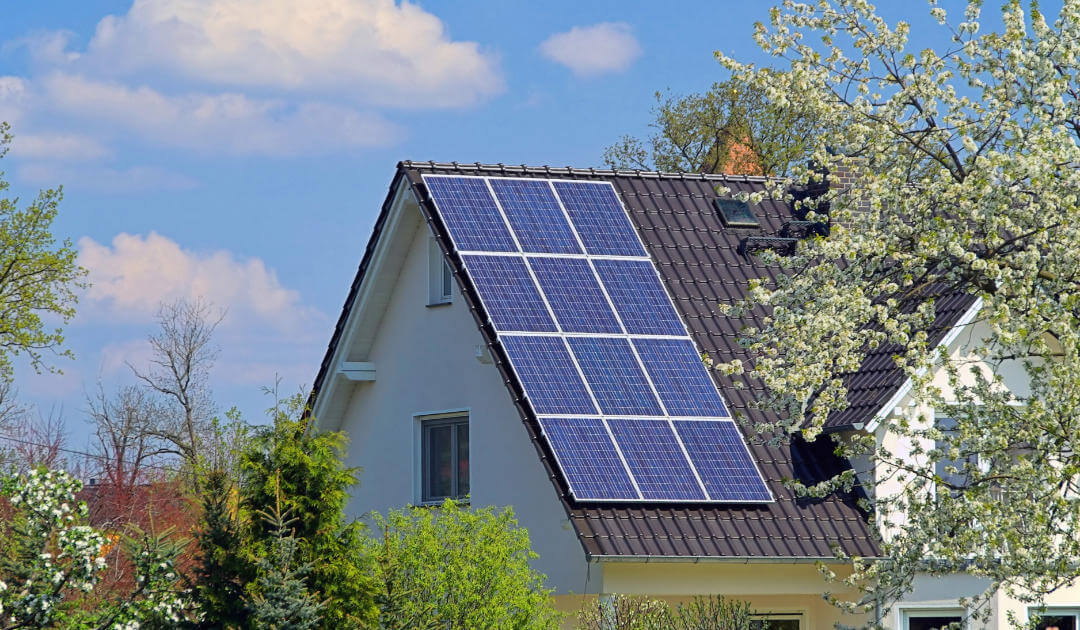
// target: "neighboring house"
[[430, 383]]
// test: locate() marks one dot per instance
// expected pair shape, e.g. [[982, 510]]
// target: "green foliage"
[[220, 564], [49, 553], [158, 601], [38, 277], [452, 567], [280, 597], [305, 470], [732, 128]]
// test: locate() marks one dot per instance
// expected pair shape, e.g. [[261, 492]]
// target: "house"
[[441, 373]]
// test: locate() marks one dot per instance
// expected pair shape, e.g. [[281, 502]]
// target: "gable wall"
[[425, 362]]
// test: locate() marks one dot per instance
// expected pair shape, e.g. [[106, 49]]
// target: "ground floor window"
[[444, 457], [932, 619], [776, 622], [1055, 618]]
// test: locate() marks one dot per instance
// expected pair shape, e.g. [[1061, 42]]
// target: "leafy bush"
[[638, 612], [452, 567]]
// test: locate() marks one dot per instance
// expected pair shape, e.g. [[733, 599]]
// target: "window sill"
[[438, 502], [437, 304]]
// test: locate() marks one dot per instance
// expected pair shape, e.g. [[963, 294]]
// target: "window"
[[444, 450], [735, 213], [1055, 618], [932, 619], [440, 278], [776, 622], [960, 477]]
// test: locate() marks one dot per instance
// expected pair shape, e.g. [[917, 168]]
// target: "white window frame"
[[907, 613], [440, 277], [419, 421], [1054, 610]]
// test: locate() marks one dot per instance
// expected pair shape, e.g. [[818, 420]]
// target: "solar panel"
[[718, 452], [587, 456], [595, 342], [641, 300], [574, 295], [599, 218], [679, 376], [470, 214], [509, 293], [535, 215], [658, 464], [614, 377], [548, 375]]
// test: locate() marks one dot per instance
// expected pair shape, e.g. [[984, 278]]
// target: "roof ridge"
[[546, 170]]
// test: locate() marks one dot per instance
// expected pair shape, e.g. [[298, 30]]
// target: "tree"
[[732, 128], [49, 552], [450, 567], [281, 599], [289, 462], [967, 159], [638, 612], [38, 277], [220, 565], [182, 357]]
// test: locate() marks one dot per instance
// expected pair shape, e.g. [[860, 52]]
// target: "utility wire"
[[83, 453]]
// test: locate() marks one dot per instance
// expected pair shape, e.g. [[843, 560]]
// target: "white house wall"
[[425, 360], [944, 593]]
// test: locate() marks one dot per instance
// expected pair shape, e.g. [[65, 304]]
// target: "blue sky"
[[239, 150]]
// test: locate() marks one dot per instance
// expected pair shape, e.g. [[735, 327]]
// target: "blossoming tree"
[[967, 158]]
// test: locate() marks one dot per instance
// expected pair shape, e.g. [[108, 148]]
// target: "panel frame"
[[564, 336]]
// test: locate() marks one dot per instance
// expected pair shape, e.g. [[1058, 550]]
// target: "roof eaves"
[[905, 389]]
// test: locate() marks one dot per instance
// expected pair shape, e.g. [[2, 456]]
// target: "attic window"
[[735, 213], [440, 278]]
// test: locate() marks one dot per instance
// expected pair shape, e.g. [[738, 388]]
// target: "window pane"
[[447, 280], [931, 623], [959, 478], [1057, 622], [463, 458], [439, 462]]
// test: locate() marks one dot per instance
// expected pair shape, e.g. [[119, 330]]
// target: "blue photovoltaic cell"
[[509, 293], [547, 373], [643, 305], [717, 451], [574, 295], [588, 458], [470, 214], [535, 215], [613, 375], [655, 460], [599, 218], [680, 377]]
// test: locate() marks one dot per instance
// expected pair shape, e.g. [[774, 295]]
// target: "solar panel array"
[[616, 382]]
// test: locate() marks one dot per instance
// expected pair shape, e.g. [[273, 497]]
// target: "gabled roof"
[[700, 262]]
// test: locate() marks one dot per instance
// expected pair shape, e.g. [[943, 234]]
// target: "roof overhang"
[[965, 320]]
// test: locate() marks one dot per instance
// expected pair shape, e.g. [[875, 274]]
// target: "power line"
[[11, 438]]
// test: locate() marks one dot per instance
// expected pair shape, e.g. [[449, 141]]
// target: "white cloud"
[[135, 274], [13, 98], [593, 50], [231, 123], [102, 178], [57, 147], [376, 51]]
